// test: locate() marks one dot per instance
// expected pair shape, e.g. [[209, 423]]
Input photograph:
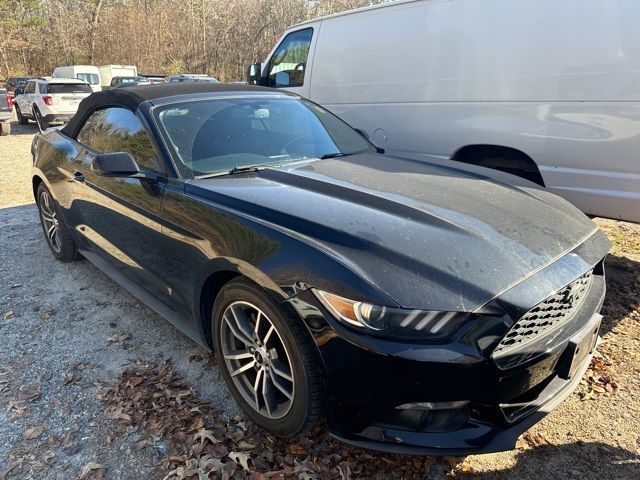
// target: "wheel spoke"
[[256, 329], [238, 355], [46, 215], [242, 321], [280, 385], [256, 389], [281, 370], [51, 232], [235, 330], [269, 396], [244, 368], [268, 335]]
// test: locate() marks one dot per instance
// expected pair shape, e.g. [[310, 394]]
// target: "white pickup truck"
[[6, 112], [48, 100]]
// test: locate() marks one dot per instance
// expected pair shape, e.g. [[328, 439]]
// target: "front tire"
[[55, 230], [267, 360]]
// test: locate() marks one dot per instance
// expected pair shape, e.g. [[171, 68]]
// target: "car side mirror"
[[283, 79], [254, 74], [115, 164]]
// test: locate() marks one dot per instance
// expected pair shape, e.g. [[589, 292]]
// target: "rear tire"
[[56, 232], [22, 120], [42, 124], [5, 128], [285, 399]]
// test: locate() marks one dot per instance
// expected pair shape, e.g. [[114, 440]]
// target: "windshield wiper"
[[332, 155], [246, 168]]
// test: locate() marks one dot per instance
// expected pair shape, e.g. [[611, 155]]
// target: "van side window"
[[289, 61]]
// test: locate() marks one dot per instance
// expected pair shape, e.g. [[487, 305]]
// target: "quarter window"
[[289, 61], [119, 130]]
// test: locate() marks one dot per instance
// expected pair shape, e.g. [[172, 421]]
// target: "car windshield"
[[217, 135], [90, 78], [68, 88]]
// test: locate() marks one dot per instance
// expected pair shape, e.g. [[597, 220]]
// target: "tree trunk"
[[95, 18]]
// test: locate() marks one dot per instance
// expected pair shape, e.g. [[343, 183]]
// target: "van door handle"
[[78, 176]]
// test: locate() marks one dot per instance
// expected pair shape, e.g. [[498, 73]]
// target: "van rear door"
[[66, 97]]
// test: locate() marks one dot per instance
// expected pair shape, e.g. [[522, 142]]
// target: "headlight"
[[392, 322]]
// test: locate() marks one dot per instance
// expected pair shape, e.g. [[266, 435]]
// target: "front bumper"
[[368, 378]]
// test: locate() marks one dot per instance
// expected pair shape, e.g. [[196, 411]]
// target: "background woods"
[[219, 37]]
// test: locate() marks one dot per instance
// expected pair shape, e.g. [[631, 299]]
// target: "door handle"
[[78, 176]]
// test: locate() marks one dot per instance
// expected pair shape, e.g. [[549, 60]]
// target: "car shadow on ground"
[[16, 129], [623, 290], [576, 460]]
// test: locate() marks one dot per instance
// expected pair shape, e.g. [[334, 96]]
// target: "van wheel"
[[5, 128], [22, 120]]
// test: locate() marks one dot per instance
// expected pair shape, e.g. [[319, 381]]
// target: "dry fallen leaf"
[[241, 458], [9, 315], [118, 338], [32, 432], [93, 468]]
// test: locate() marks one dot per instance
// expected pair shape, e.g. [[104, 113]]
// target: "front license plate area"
[[579, 348]]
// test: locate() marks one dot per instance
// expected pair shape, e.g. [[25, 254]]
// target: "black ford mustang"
[[424, 307]]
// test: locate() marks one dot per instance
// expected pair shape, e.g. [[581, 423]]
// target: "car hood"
[[437, 236]]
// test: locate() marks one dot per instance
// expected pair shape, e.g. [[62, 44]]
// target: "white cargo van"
[[86, 73], [107, 72], [549, 90]]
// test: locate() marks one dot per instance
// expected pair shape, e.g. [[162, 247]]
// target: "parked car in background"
[[543, 90], [154, 77], [48, 100], [122, 80], [428, 308], [140, 83], [107, 72], [192, 77], [6, 112], [12, 83], [87, 73]]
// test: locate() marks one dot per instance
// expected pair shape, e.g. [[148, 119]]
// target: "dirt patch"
[[73, 346]]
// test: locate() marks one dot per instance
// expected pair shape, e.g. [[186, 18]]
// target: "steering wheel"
[[300, 141], [300, 66]]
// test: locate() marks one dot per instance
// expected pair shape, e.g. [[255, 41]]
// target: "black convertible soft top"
[[132, 97]]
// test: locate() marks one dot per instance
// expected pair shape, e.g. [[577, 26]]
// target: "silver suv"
[[47, 100]]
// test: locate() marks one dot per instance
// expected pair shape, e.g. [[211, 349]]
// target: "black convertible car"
[[420, 307]]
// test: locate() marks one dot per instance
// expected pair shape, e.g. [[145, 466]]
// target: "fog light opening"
[[433, 405]]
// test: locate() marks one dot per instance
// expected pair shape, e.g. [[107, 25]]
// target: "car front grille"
[[542, 319]]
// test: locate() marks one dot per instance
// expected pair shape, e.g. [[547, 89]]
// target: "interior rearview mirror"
[[115, 164]]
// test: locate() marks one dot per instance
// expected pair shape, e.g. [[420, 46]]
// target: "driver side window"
[[289, 61], [119, 130]]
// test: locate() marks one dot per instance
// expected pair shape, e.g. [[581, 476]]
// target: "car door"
[[119, 217], [290, 64], [24, 100]]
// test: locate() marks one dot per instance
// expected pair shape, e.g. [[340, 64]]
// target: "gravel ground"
[[66, 329]]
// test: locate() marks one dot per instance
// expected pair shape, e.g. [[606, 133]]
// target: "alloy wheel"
[[257, 359], [50, 220]]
